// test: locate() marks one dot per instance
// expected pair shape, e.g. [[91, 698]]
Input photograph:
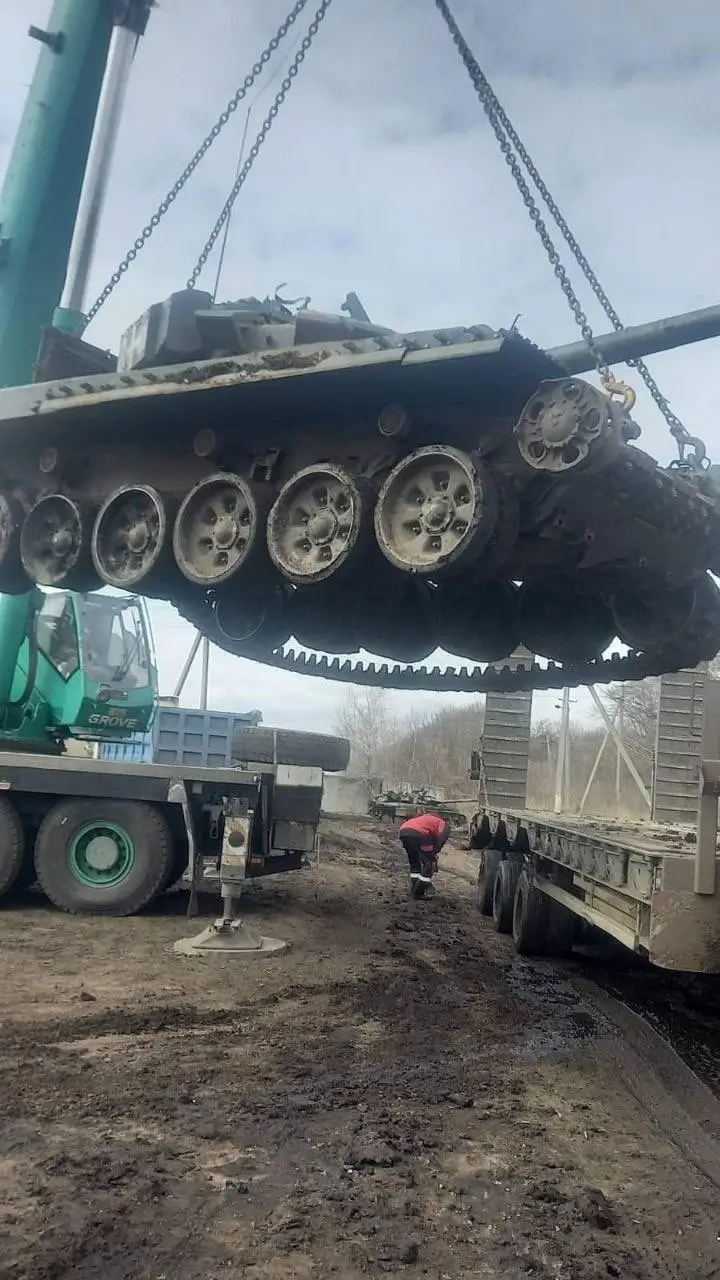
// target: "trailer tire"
[[562, 929], [12, 846], [530, 918], [490, 860], [506, 879], [286, 746], [77, 880]]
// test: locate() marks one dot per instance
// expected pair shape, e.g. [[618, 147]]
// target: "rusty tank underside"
[[327, 496]]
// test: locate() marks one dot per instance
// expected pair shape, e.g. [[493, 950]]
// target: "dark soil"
[[392, 1096]]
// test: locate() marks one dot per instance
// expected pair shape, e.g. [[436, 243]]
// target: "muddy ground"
[[395, 1095]]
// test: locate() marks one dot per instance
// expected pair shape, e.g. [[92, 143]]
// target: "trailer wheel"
[[490, 860], [104, 857], [530, 918], [506, 879], [12, 846], [562, 929]]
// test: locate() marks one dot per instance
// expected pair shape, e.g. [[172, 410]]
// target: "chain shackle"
[[192, 165], [257, 144]]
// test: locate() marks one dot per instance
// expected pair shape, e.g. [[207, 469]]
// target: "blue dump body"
[[183, 735]]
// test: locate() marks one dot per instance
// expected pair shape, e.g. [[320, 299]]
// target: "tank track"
[[367, 492], [519, 675]]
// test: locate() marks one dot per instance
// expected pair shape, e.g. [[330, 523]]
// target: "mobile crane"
[[281, 474]]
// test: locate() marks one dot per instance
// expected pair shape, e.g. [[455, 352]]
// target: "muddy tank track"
[[312, 491]]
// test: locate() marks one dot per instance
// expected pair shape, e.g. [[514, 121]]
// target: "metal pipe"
[[182, 678], [204, 673], [123, 44], [642, 340]]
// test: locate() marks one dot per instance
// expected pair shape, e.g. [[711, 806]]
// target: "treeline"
[[434, 750]]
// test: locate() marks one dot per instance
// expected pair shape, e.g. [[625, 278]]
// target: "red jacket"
[[435, 830]]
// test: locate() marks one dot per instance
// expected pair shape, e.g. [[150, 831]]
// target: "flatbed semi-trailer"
[[108, 838], [654, 887]]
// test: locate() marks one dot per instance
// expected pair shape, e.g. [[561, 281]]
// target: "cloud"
[[381, 175]]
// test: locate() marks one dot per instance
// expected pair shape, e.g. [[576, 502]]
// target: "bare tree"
[[364, 720]]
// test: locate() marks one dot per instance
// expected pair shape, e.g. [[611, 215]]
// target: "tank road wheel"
[[561, 624], [105, 857], [322, 618], [254, 615], [566, 424], [320, 520], [478, 621], [130, 542], [397, 619], [12, 846], [216, 530], [13, 578], [54, 545], [437, 511], [503, 898], [490, 860], [652, 619]]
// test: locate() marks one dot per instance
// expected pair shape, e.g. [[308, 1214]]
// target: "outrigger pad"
[[229, 938]]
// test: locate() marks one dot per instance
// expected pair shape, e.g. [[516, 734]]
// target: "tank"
[[328, 496]]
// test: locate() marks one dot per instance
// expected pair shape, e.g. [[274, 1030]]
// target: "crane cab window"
[[56, 634]]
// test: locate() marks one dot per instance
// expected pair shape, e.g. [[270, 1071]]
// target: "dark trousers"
[[411, 842]]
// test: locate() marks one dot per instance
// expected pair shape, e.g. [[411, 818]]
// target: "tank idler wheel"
[[437, 512], [566, 424], [216, 530], [131, 542], [55, 545], [320, 521]]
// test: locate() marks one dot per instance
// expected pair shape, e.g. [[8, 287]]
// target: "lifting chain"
[[508, 139], [257, 144], [190, 168]]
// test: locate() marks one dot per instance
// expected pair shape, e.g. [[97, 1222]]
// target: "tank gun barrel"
[[642, 340]]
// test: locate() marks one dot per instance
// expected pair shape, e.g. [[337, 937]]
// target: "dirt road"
[[393, 1096]]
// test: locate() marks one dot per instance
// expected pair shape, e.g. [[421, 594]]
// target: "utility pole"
[[562, 771]]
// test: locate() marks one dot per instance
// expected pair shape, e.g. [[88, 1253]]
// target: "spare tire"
[[262, 745]]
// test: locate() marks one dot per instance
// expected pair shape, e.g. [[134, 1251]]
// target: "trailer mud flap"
[[685, 931]]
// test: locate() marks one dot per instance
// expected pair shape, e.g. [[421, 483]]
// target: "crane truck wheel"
[[103, 857], [490, 860], [12, 846], [503, 898]]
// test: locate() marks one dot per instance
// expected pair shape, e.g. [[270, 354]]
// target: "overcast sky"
[[381, 175]]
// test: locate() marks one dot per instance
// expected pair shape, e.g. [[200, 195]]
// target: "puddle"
[[566, 1019]]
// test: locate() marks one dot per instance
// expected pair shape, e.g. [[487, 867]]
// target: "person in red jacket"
[[422, 838]]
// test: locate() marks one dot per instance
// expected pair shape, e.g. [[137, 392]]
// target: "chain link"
[[190, 168], [257, 144], [506, 134]]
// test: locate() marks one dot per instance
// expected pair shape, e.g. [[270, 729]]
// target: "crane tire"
[[12, 846], [262, 745], [103, 857]]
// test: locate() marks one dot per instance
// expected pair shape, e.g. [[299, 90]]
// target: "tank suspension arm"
[[642, 340]]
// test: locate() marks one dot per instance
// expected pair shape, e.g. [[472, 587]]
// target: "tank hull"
[[519, 475]]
